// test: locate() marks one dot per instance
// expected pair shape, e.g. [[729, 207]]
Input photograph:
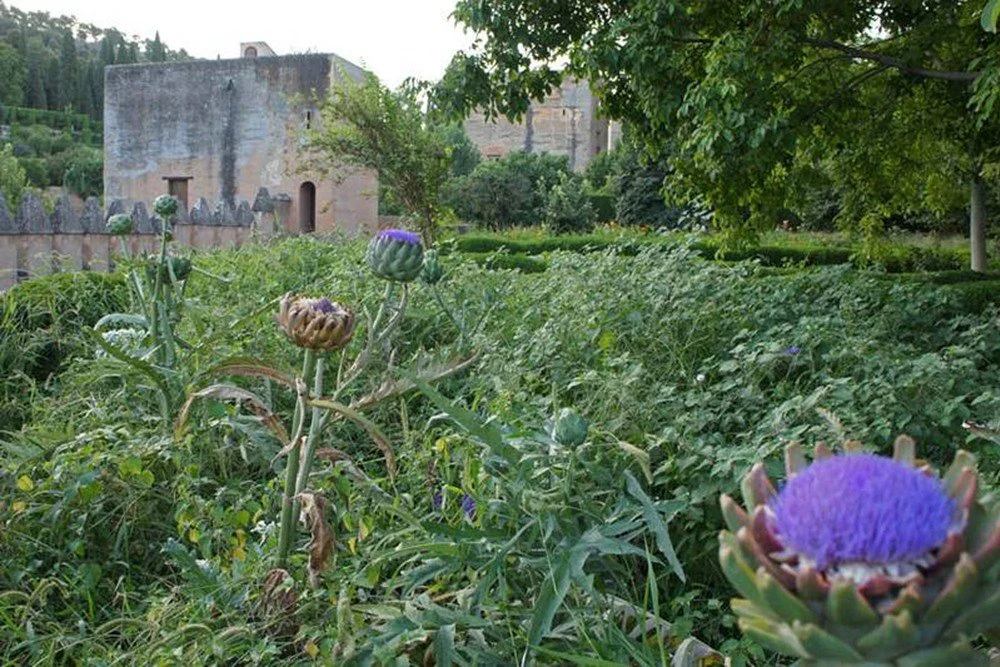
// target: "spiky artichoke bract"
[[166, 206], [431, 272], [119, 225], [569, 429], [395, 254], [317, 324], [863, 559]]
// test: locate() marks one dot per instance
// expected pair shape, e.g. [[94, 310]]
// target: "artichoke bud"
[[569, 429], [396, 255], [863, 559], [431, 273], [316, 324], [181, 267], [119, 225], [165, 206]]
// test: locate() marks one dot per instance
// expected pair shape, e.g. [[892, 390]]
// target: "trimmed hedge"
[[903, 259]]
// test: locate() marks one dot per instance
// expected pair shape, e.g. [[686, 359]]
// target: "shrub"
[[13, 178], [84, 174], [639, 188], [36, 171], [509, 192], [568, 210]]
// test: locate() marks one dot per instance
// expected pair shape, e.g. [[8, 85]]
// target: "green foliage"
[[40, 330], [638, 183], [366, 125], [464, 154], [12, 76], [84, 173], [510, 192], [568, 210], [57, 63], [13, 177], [492, 543], [753, 99]]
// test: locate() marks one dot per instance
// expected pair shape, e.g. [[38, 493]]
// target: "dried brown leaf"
[[320, 547]]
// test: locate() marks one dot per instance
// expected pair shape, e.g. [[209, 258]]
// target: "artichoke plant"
[[165, 206], [569, 429], [396, 255], [431, 273], [179, 265], [316, 324], [119, 225], [862, 559]]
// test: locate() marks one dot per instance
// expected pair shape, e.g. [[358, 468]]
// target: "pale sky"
[[392, 38]]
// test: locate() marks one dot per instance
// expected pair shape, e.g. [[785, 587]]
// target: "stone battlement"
[[34, 242]]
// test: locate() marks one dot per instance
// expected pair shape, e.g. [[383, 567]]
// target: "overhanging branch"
[[894, 63]]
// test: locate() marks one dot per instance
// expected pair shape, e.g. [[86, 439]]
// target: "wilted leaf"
[[231, 393], [373, 431], [321, 545], [247, 366]]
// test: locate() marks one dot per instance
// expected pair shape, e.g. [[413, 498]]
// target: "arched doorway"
[[307, 208]]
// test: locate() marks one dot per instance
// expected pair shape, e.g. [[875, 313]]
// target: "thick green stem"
[[315, 423], [287, 525]]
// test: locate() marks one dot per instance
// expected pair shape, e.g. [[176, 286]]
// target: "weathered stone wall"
[[566, 123], [34, 243], [229, 126]]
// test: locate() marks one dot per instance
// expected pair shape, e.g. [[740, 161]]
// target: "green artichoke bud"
[[165, 206], [396, 255], [862, 559], [569, 429], [181, 268], [317, 324], [431, 273], [119, 225]]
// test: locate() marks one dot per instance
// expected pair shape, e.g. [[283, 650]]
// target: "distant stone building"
[[567, 122], [221, 129]]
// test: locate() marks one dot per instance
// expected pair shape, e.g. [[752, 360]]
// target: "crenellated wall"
[[34, 242]]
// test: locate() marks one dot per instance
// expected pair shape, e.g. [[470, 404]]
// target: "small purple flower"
[[469, 506], [792, 350], [861, 508], [400, 235], [324, 305], [437, 501]]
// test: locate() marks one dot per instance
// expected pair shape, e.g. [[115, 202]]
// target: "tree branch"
[[894, 63]]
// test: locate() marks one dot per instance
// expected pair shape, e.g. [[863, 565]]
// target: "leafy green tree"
[[13, 180], [85, 172], [464, 154], [155, 51], [365, 125], [750, 95], [568, 210], [68, 70], [12, 76]]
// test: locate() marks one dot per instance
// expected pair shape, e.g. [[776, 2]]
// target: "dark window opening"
[[307, 208], [251, 52], [178, 187], [309, 119]]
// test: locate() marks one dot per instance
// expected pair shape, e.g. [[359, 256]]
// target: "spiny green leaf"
[[656, 524]]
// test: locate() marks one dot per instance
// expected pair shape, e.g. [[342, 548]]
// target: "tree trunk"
[[977, 224]]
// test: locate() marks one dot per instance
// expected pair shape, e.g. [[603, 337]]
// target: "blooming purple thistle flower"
[[469, 506], [861, 508], [400, 235]]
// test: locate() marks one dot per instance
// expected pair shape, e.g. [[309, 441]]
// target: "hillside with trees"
[[52, 92]]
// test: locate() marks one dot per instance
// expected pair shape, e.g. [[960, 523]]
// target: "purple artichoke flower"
[[400, 235], [437, 501], [853, 512], [469, 506], [792, 350]]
